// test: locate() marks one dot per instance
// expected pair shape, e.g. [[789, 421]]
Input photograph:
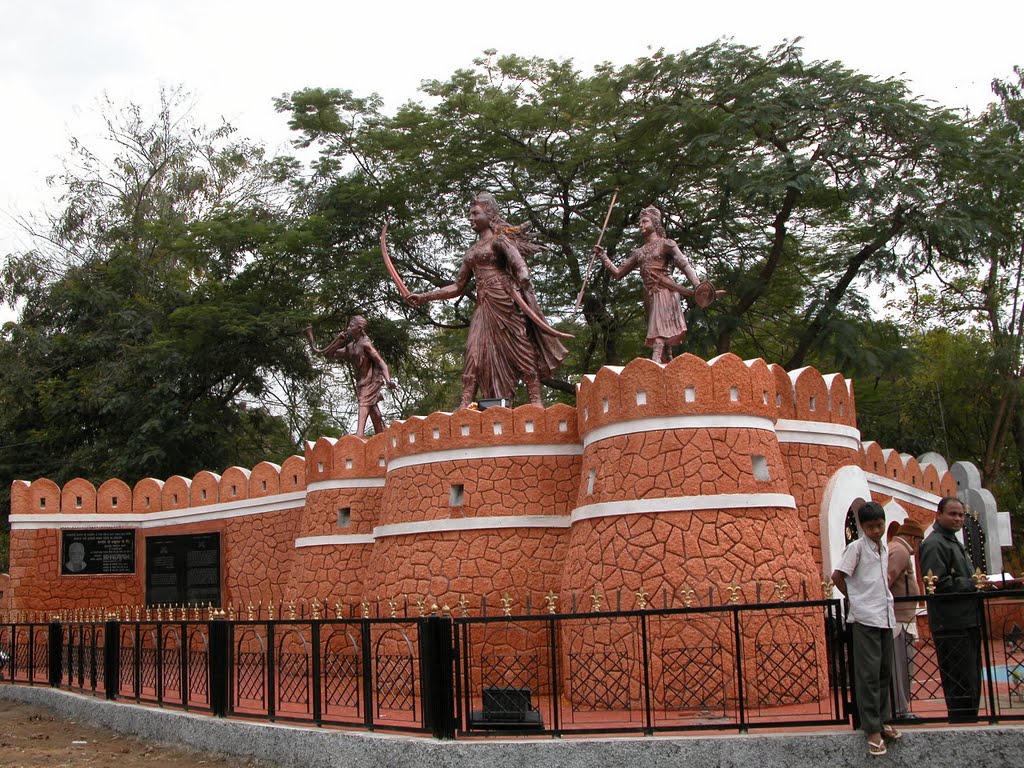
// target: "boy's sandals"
[[876, 748], [889, 732]]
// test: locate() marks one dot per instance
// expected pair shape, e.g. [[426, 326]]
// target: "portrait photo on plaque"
[[92, 552]]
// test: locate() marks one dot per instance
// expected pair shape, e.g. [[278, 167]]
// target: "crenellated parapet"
[[80, 497], [691, 475], [470, 430]]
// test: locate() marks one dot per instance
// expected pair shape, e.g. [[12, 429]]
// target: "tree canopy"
[[160, 310]]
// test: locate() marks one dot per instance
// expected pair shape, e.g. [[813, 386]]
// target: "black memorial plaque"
[[183, 569], [91, 552]]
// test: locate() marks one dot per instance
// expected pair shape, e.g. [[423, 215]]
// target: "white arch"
[[846, 485]]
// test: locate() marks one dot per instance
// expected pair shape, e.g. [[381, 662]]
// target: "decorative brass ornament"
[[641, 598], [314, 609], [551, 600], [291, 610], [980, 578], [393, 607], [463, 605], [735, 592], [688, 595], [506, 604], [782, 590], [828, 588], [595, 601], [930, 579]]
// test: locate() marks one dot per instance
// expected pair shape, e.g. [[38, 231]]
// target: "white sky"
[[58, 56]]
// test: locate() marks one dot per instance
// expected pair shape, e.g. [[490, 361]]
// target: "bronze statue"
[[509, 339], [655, 258], [371, 372]]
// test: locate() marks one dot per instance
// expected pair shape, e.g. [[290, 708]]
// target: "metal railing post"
[[436, 674], [111, 658], [219, 660], [56, 642]]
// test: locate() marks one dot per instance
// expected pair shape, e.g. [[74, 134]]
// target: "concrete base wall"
[[994, 746]]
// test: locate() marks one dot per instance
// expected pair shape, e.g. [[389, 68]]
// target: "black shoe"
[[908, 716]]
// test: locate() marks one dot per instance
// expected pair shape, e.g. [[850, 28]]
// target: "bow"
[[526, 309], [402, 289]]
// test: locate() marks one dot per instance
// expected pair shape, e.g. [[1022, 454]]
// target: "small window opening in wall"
[[348, 463], [894, 473], [147, 501], [319, 466], [913, 481], [498, 427], [174, 498], [766, 397], [641, 397], [842, 409], [563, 426], [812, 403], [78, 502], [690, 394], [263, 485], [778, 401], [295, 479], [760, 465], [591, 477], [456, 495], [412, 438], [113, 502], [42, 503], [380, 462], [203, 494], [436, 433], [604, 405], [234, 490], [876, 466], [528, 426], [344, 517], [734, 394], [465, 430]]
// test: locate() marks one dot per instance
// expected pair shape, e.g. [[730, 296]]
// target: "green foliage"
[[155, 308], [791, 183]]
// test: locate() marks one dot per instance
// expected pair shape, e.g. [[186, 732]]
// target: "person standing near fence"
[[903, 583], [955, 621], [862, 576]]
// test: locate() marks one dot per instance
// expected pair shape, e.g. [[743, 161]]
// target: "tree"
[[155, 308], [792, 184]]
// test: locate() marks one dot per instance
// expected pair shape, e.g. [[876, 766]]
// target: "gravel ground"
[[33, 737]]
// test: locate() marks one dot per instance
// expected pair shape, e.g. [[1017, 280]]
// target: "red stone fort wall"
[[697, 478]]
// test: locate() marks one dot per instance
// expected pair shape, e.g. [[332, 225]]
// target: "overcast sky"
[[58, 56]]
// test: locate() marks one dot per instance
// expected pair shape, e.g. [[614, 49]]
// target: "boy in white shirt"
[[862, 576]]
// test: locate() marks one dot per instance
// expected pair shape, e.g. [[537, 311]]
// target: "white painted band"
[[446, 524], [818, 433], [683, 504], [486, 452], [211, 512], [334, 541], [669, 423], [355, 482]]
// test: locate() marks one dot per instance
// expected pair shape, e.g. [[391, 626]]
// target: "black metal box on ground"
[[506, 708]]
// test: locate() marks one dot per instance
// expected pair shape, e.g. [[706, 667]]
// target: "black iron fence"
[[733, 667]]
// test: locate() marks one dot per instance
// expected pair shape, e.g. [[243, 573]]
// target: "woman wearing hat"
[[903, 584]]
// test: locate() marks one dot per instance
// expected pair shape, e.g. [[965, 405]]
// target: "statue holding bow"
[[509, 339]]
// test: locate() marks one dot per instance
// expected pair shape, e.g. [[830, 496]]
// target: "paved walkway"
[[979, 746]]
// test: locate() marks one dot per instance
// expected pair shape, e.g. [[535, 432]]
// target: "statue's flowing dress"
[[503, 343]]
